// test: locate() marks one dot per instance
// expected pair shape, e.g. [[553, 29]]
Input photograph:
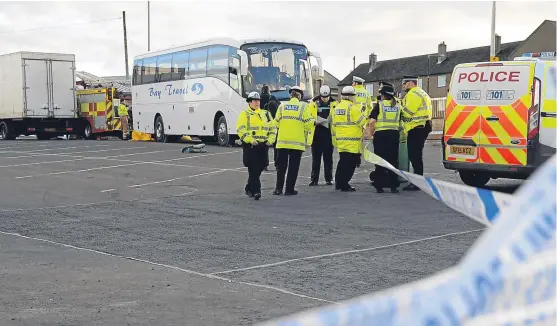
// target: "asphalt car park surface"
[[138, 233]]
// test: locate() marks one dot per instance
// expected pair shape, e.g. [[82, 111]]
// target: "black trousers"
[[254, 159], [416, 142], [288, 159], [385, 145], [322, 146], [345, 169], [274, 156]]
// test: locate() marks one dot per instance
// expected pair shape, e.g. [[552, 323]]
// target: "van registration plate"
[[50, 129], [463, 150]]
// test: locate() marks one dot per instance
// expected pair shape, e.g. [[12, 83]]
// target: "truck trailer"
[[37, 95]]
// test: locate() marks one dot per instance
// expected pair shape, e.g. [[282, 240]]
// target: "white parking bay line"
[[122, 165], [347, 252], [50, 149], [108, 190], [181, 178], [74, 153]]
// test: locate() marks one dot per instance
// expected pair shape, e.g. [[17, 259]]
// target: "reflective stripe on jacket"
[[347, 126], [256, 124], [388, 117], [416, 108], [363, 99], [293, 121]]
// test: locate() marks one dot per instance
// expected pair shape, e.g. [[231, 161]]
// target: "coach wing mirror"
[[319, 66], [243, 63]]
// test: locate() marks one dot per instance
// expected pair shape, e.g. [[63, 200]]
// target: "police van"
[[500, 118]]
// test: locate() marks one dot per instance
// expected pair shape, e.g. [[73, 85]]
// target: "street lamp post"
[[148, 26]]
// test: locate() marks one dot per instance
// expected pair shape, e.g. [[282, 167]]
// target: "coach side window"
[[164, 69], [217, 62], [137, 71], [197, 66], [150, 70], [180, 65]]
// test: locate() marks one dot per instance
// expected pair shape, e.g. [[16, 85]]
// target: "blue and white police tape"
[[483, 282], [482, 205]]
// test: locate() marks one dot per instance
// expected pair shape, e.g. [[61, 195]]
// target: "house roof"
[[418, 65], [331, 80]]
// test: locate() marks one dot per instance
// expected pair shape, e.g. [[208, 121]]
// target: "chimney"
[[441, 52], [497, 43], [372, 61]]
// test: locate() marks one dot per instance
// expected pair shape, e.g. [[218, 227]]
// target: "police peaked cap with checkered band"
[[387, 89], [409, 78], [384, 83], [297, 89], [253, 96]]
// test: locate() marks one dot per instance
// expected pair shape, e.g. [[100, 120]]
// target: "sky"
[[337, 30]]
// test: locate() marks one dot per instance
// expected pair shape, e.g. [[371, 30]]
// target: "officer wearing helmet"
[[321, 144], [385, 121], [347, 129], [294, 122], [257, 131]]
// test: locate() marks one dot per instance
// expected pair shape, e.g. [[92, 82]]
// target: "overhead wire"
[[58, 26]]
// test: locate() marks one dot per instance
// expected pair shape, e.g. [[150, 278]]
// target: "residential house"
[[435, 69]]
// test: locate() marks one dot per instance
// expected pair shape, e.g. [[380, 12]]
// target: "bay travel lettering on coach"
[[170, 90]]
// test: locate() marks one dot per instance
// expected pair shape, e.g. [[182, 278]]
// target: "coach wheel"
[[88, 131], [223, 138], [159, 131], [474, 179]]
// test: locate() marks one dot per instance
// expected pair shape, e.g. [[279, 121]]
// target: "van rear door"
[[462, 119], [506, 97], [488, 110]]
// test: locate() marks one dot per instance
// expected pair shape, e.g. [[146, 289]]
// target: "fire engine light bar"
[[539, 54]]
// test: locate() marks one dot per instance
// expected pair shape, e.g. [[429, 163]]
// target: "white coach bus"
[[200, 89]]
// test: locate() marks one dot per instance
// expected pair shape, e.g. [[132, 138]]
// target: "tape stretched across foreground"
[[506, 275], [481, 205]]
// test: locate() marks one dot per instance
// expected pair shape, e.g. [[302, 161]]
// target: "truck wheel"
[[88, 131], [5, 132], [474, 179], [221, 132]]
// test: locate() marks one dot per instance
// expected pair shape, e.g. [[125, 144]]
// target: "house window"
[[441, 81], [369, 88]]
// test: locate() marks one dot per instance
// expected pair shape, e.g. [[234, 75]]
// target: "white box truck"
[[37, 95]]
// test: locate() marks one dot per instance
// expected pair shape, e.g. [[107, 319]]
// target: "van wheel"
[[474, 179], [221, 132]]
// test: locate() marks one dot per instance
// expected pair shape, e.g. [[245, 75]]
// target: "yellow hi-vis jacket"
[[122, 110], [347, 127], [363, 99], [293, 121], [389, 116], [416, 109], [256, 124], [313, 107]]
